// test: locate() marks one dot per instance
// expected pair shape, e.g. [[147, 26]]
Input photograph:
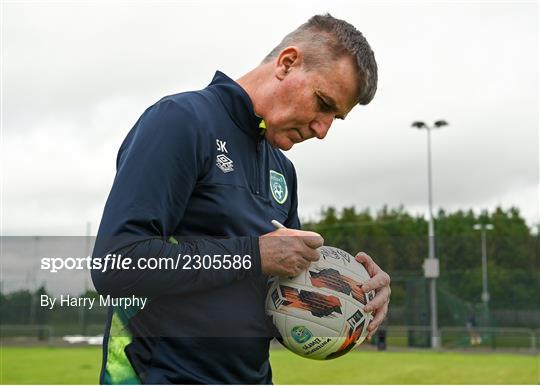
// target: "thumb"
[[313, 240]]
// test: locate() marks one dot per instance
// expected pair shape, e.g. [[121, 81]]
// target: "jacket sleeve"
[[157, 168]]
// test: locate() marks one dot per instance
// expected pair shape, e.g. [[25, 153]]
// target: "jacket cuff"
[[255, 254]]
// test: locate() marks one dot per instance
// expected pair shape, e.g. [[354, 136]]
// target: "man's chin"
[[284, 145], [280, 142]]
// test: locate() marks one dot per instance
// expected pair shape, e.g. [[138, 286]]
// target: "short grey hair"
[[325, 39]]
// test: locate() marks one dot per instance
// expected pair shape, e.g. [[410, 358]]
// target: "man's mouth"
[[301, 137]]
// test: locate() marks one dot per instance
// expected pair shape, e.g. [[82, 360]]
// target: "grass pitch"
[[80, 365], [363, 367]]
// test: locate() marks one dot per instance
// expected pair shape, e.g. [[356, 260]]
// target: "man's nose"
[[321, 125]]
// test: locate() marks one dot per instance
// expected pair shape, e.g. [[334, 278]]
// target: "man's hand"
[[287, 252], [380, 282]]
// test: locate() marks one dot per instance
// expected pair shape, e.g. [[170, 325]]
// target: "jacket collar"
[[237, 103]]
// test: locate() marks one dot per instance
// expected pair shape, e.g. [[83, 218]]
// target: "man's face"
[[305, 103]]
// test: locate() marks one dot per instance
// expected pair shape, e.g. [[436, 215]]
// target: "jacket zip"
[[258, 164]]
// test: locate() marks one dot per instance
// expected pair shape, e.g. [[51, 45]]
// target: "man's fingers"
[[380, 280], [304, 263], [368, 263], [295, 233], [299, 269], [377, 319], [287, 252], [381, 298], [379, 306], [310, 254], [313, 241]]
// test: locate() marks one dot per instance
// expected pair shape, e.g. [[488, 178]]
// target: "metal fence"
[[45, 332], [482, 338], [452, 338]]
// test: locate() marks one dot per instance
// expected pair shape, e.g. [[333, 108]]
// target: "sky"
[[77, 75]]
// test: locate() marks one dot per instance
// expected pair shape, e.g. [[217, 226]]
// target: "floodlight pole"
[[431, 265], [483, 228]]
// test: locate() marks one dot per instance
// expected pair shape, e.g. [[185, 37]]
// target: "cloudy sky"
[[76, 76]]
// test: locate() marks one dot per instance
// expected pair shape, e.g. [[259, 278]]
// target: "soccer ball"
[[320, 313]]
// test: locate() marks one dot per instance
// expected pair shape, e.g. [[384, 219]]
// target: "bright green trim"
[[262, 126], [118, 370]]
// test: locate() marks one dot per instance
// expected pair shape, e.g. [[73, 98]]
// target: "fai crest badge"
[[278, 187]]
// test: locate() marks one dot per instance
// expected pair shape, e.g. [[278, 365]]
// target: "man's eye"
[[323, 106]]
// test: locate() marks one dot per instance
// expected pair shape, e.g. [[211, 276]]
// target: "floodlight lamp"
[[441, 123]]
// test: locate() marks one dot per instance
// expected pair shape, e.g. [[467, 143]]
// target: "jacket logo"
[[278, 187], [221, 146], [224, 163]]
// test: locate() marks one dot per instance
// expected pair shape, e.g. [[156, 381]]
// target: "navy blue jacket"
[[194, 167]]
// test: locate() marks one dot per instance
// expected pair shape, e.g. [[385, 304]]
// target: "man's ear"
[[289, 58]]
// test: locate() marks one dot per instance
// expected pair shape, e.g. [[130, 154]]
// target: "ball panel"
[[355, 330], [300, 279], [307, 303], [335, 256], [337, 281], [310, 339], [364, 332], [331, 256]]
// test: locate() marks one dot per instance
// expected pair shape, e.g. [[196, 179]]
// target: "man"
[[201, 173]]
